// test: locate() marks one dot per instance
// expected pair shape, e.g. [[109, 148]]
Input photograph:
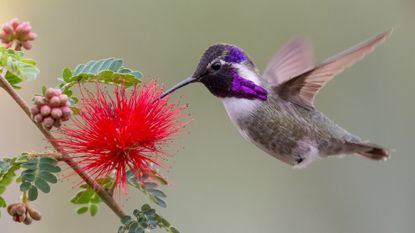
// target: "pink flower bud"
[[18, 34], [38, 118], [14, 23], [34, 214], [20, 209], [29, 36], [66, 111], [39, 100], [28, 220], [50, 92], [7, 29], [45, 110], [27, 45], [54, 101], [34, 109], [56, 113], [23, 28], [63, 99], [4, 37], [48, 122]]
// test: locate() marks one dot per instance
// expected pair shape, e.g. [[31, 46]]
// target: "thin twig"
[[55, 155], [105, 196]]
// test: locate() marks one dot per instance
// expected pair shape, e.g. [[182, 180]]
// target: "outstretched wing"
[[293, 59], [303, 88]]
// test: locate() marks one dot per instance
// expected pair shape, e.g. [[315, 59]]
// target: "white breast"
[[237, 107]]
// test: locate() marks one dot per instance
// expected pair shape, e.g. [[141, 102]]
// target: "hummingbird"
[[275, 111]]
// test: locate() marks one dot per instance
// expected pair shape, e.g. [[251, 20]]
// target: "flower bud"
[[38, 118], [20, 209], [14, 23], [48, 122], [51, 109], [7, 29], [11, 209], [27, 45], [17, 218], [34, 214], [34, 109], [63, 99], [66, 111], [28, 220], [39, 100], [56, 113], [50, 92], [55, 101], [45, 110], [17, 33]]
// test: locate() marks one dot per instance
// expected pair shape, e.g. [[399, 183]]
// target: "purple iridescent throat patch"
[[243, 88]]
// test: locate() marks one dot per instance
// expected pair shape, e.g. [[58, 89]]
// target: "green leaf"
[[160, 202], [33, 193], [43, 90], [8, 168], [19, 68], [42, 185], [25, 186], [49, 168], [38, 175], [157, 193], [82, 197], [93, 209], [133, 228], [28, 175], [146, 219], [49, 177], [2, 203], [48, 160], [125, 219], [95, 199], [87, 197], [174, 230], [109, 71], [122, 229], [13, 80], [67, 74], [82, 210]]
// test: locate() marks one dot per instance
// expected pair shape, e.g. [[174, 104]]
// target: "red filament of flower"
[[124, 132]]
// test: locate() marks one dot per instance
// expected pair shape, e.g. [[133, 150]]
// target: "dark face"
[[218, 71]]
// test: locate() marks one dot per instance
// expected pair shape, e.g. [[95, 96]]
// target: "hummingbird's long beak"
[[183, 83]]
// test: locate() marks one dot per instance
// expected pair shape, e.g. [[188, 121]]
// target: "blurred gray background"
[[222, 183]]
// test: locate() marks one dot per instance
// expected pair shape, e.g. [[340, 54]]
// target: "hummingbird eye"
[[216, 66]]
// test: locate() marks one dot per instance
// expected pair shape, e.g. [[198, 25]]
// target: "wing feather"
[[291, 60], [303, 88]]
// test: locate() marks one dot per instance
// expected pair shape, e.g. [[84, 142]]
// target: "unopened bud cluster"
[[17, 32], [50, 110], [22, 213]]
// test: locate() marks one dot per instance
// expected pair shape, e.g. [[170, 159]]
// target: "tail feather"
[[370, 151]]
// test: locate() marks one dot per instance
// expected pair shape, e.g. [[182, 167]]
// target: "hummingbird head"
[[227, 72]]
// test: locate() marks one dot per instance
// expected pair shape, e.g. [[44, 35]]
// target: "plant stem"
[[64, 155], [56, 156]]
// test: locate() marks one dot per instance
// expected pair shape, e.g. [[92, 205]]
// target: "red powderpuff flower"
[[125, 132]]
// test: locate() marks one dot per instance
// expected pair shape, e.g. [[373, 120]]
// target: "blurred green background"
[[222, 183]]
